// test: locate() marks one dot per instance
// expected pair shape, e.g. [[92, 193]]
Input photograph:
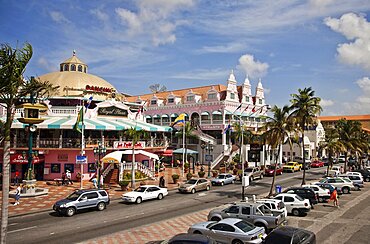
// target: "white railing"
[[205, 137], [138, 166], [217, 160], [107, 170]]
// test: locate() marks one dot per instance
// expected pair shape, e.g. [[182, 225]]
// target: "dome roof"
[[73, 80]]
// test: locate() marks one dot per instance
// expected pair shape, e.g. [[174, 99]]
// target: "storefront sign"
[[113, 111], [18, 159], [81, 159], [128, 144], [63, 157], [99, 89], [211, 127]]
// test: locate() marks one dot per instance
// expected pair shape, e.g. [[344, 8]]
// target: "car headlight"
[[63, 206]]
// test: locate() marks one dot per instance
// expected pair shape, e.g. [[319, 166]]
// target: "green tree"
[[331, 145], [189, 134], [242, 136], [13, 87], [305, 106], [134, 135], [277, 130]]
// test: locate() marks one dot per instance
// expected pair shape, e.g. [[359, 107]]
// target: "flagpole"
[[82, 143], [183, 147]]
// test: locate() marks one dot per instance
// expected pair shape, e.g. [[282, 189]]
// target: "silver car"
[[230, 230], [82, 199], [194, 185], [223, 179]]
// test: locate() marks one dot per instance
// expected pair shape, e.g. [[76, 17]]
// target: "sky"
[[288, 44]]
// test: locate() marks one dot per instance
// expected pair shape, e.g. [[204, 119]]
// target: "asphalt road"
[[52, 228]]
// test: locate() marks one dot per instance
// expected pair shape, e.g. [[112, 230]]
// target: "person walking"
[[16, 178], [63, 179], [17, 195], [334, 198], [162, 182], [69, 176], [95, 182]]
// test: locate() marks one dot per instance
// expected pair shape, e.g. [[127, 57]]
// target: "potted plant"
[[123, 184], [214, 173], [201, 174], [175, 178], [186, 167], [189, 176]]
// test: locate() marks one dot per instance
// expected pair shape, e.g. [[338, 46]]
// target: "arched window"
[[80, 68], [66, 67], [61, 68], [84, 69], [73, 67]]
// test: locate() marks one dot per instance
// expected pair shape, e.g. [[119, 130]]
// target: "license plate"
[[260, 236]]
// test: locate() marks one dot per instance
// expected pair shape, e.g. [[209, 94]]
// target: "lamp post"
[[209, 148], [202, 146], [99, 151]]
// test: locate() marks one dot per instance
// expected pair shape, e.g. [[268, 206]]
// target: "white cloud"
[[326, 103], [267, 91], [227, 48], [364, 84], [362, 103], [356, 29], [251, 67], [45, 64], [102, 16], [202, 74], [156, 18], [59, 17]]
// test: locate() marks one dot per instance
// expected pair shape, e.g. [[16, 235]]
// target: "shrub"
[[123, 183], [175, 176], [189, 175], [201, 174]]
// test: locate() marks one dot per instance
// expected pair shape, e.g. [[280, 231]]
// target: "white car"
[[294, 204], [345, 185], [145, 192], [354, 173], [322, 194], [274, 205]]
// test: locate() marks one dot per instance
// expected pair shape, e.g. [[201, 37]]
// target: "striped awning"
[[99, 123]]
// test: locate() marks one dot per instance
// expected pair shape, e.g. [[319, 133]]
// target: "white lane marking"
[[13, 224], [52, 233], [202, 194], [28, 228]]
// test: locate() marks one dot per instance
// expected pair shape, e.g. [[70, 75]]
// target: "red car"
[[317, 164], [269, 171]]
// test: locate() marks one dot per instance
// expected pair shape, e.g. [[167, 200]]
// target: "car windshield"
[[323, 181], [248, 170], [74, 196], [244, 226], [299, 198], [270, 166], [290, 164], [191, 182], [221, 176], [346, 179], [140, 189]]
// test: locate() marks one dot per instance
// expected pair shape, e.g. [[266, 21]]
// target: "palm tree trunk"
[[274, 177], [345, 162], [133, 166], [303, 160]]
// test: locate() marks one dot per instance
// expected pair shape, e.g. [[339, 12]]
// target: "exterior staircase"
[[140, 167], [204, 137], [224, 157]]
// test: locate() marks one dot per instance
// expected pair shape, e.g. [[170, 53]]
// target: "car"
[[338, 182], [365, 173], [274, 205], [303, 192], [253, 173], [223, 179], [292, 167], [357, 180], [82, 199], [307, 164], [328, 186], [289, 235], [334, 171], [194, 185], [295, 204], [317, 164], [341, 159], [189, 238], [230, 230], [321, 193], [270, 169], [145, 192]]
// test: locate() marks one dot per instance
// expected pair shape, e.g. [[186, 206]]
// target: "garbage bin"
[[278, 189]]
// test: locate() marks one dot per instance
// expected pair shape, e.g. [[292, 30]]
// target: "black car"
[[288, 235], [190, 238], [304, 192], [365, 173]]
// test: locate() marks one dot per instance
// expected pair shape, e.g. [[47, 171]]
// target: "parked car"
[[307, 164], [194, 185], [321, 193], [292, 167], [357, 180], [317, 164], [344, 186], [294, 204], [82, 199], [253, 173], [189, 238], [223, 179], [341, 159], [304, 192], [230, 230], [290, 235], [145, 192], [328, 186], [365, 173], [270, 169], [334, 171], [274, 205], [255, 213]]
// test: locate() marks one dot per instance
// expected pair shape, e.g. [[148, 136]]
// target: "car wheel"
[[296, 212], [237, 242], [222, 183], [345, 190], [101, 206], [252, 178], [357, 187], [215, 219], [261, 225], [193, 191], [261, 176], [208, 188], [160, 196], [367, 179], [70, 211], [233, 182], [320, 199], [139, 200]]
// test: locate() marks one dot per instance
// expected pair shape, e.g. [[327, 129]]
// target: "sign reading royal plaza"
[[113, 111], [128, 144]]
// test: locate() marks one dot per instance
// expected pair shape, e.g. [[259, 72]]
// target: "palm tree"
[[135, 136], [305, 106], [241, 134], [13, 87], [189, 134], [277, 130], [156, 88], [331, 144]]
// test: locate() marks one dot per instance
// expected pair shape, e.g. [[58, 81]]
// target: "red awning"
[[20, 159], [168, 153]]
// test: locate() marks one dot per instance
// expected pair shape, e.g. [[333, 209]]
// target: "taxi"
[[292, 167]]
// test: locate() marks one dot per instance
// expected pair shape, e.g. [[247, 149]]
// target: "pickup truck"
[[255, 213], [253, 173]]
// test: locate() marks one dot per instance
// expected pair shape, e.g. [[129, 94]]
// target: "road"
[[51, 228]]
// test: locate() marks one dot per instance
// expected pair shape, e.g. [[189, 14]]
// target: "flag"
[[80, 119], [237, 108], [179, 121], [140, 111], [245, 109], [227, 128], [88, 103]]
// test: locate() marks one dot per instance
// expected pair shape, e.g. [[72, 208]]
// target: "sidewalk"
[[45, 203]]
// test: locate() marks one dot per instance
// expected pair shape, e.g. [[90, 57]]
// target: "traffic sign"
[[81, 159], [209, 158]]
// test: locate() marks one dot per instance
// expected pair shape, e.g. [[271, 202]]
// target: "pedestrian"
[[63, 179], [334, 198], [17, 195], [16, 178], [69, 176], [95, 182], [161, 182]]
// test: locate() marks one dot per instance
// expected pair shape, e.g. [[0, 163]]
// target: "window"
[[153, 102], [66, 67], [233, 210], [171, 100], [246, 210], [85, 70], [91, 167], [61, 68], [223, 227], [190, 98], [247, 98], [212, 96], [260, 101], [55, 168], [232, 95], [70, 167], [279, 198], [153, 189], [73, 67], [92, 195], [80, 68], [288, 199], [103, 193]]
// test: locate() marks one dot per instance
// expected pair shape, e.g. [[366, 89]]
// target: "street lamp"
[[209, 148], [202, 146], [99, 151]]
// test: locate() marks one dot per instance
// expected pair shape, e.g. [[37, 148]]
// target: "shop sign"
[[128, 144], [256, 147], [18, 159], [63, 157], [211, 127], [98, 89], [81, 159], [113, 111]]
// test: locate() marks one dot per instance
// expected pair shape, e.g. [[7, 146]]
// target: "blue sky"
[[289, 44]]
